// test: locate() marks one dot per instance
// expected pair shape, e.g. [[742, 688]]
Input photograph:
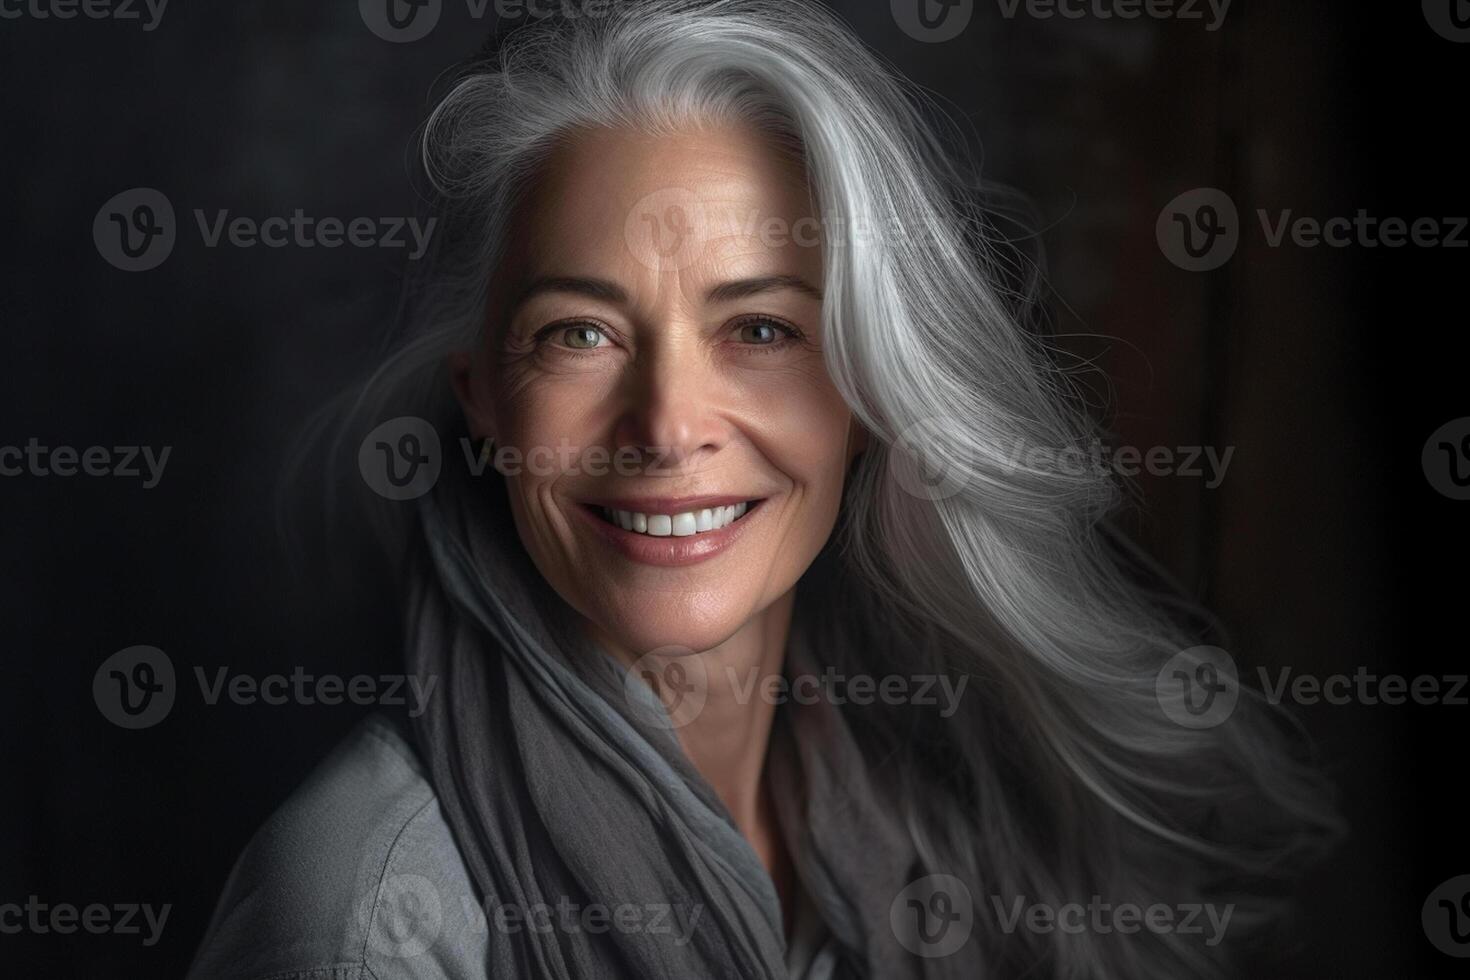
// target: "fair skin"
[[643, 309]]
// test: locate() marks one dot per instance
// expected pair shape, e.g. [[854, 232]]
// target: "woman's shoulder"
[[355, 875]]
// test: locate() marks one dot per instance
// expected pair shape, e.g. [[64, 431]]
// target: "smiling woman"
[[625, 269], [707, 360]]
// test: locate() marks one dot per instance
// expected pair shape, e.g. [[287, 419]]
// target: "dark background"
[[1325, 549]]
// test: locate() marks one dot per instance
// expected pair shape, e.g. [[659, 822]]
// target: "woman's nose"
[[672, 415]]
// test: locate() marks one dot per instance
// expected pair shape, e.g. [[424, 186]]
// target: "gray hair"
[[1061, 776]]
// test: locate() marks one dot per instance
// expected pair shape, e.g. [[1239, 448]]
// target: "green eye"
[[759, 332], [581, 337]]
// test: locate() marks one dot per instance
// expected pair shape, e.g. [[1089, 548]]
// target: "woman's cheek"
[[802, 421], [556, 411]]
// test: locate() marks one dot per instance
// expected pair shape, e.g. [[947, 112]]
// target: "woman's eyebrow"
[[742, 288], [588, 286], [608, 291]]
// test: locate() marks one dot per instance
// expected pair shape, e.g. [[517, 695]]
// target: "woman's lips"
[[671, 534]]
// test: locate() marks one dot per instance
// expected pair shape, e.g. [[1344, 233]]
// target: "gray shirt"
[[357, 876]]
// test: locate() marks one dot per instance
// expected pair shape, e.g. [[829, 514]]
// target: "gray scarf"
[[559, 789]]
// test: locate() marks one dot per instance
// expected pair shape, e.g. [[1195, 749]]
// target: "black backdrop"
[[1328, 368]]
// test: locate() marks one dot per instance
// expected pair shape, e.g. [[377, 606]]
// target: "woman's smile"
[[670, 531]]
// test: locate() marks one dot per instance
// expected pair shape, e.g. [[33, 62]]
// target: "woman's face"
[[674, 449]]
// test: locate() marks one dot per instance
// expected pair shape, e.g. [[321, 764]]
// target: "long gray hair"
[[1062, 776]]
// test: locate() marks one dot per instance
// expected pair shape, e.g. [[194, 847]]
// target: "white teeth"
[[678, 525]]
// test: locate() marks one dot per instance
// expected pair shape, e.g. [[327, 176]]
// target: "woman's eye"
[[761, 332], [581, 337]]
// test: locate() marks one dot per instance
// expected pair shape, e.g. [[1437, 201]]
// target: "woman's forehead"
[[713, 204]]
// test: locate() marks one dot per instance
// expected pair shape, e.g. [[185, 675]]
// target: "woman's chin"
[[677, 632]]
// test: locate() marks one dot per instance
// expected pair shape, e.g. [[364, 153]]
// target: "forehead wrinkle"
[[731, 173]]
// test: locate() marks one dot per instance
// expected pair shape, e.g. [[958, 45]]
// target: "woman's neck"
[[727, 740]]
